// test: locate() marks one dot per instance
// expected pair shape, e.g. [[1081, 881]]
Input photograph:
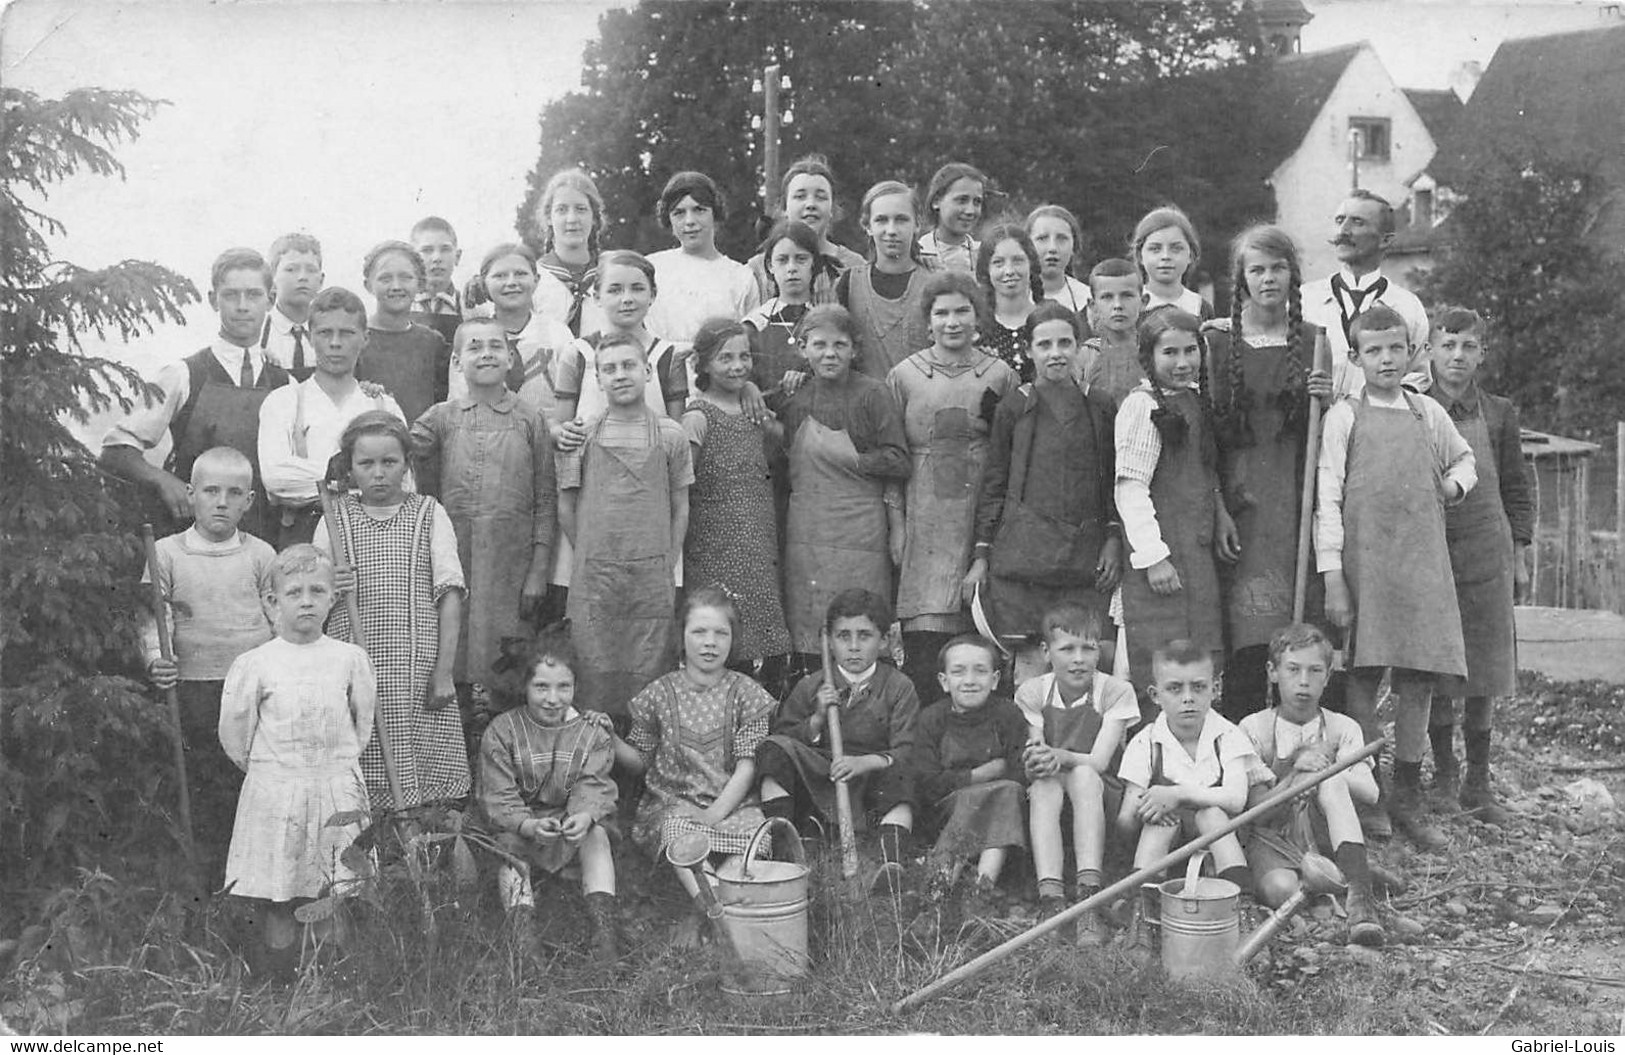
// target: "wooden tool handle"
[[843, 793], [166, 648], [352, 607], [1306, 507]]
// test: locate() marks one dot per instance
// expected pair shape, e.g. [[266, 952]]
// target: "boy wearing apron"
[[623, 504], [1489, 535], [1390, 463]]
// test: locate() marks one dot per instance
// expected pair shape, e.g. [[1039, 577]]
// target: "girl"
[[1167, 496], [409, 586], [883, 295], [694, 737], [699, 281], [846, 442], [1007, 269], [793, 260], [1046, 520], [953, 201], [571, 217], [545, 786], [1167, 250], [295, 715], [408, 359], [733, 537], [1261, 389], [947, 394], [807, 195], [1058, 238], [540, 344], [488, 458]]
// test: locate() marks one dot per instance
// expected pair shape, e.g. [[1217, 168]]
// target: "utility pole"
[[770, 133], [1355, 141]]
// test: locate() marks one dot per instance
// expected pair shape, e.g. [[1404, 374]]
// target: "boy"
[[296, 274], [1185, 774], [300, 425], [1111, 359], [1390, 461], [212, 577], [1294, 740], [623, 504], [968, 768], [438, 305], [545, 786], [1489, 535], [879, 710], [211, 398], [1079, 717]]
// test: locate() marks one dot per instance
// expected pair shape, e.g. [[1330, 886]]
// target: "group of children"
[[746, 471]]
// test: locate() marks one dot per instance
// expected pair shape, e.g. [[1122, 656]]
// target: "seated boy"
[[1079, 717], [1294, 740], [1187, 773], [438, 304], [212, 577], [544, 784], [967, 765], [879, 710], [1390, 463]]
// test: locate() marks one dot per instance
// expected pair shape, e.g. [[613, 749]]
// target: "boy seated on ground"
[[1294, 740], [1186, 774], [1079, 717], [968, 770], [878, 708], [544, 784]]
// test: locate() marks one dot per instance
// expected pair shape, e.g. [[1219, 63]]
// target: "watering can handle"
[[1193, 871], [768, 826]]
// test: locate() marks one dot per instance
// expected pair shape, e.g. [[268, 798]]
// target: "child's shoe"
[[1091, 930], [1137, 944], [604, 913], [1050, 906], [1364, 926], [1409, 817], [1374, 820], [1478, 797]]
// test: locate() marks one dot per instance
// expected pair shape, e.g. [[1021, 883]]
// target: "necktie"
[[1351, 301], [245, 376], [298, 348]]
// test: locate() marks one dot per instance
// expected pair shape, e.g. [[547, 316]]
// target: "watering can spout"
[[1319, 876]]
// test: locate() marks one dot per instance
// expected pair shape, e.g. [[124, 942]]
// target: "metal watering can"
[[1200, 918]]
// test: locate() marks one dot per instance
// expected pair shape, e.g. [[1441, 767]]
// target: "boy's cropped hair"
[[620, 340], [1072, 618], [337, 298], [1296, 636], [239, 259], [1180, 652], [300, 559], [856, 602], [978, 641], [297, 242], [222, 459], [434, 223], [473, 324], [1453, 318], [1375, 319], [1113, 267]]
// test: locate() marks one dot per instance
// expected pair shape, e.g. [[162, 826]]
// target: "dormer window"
[[1372, 137]]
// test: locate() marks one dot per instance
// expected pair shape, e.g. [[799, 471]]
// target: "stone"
[[1545, 915], [1455, 908], [1593, 804]]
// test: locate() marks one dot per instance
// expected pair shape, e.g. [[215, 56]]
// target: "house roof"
[[1557, 96], [1437, 109], [1298, 88]]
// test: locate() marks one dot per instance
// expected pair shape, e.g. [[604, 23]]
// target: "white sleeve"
[[286, 475], [145, 426], [1330, 474]]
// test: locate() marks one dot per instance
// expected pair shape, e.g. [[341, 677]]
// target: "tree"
[[1518, 249], [75, 733], [1060, 100]]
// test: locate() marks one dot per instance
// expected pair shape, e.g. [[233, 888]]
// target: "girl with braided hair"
[[1167, 497], [1262, 381]]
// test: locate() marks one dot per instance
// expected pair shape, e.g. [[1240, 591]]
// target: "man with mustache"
[[1365, 227]]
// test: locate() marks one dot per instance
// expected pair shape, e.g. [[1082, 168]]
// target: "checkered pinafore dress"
[[396, 592]]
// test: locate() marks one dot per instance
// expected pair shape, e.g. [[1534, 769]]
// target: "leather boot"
[[604, 913], [1446, 767], [1138, 946], [1407, 811], [1478, 797], [1364, 926]]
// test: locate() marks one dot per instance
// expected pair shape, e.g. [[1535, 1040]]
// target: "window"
[[1373, 137]]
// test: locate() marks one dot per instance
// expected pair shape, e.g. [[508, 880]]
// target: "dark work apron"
[[1480, 538]]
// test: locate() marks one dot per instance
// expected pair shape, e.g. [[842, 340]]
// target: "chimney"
[[1464, 78]]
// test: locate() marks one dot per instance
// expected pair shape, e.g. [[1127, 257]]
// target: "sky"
[[351, 119]]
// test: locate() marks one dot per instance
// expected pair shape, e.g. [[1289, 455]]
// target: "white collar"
[[1371, 278], [858, 681], [198, 544], [281, 324]]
